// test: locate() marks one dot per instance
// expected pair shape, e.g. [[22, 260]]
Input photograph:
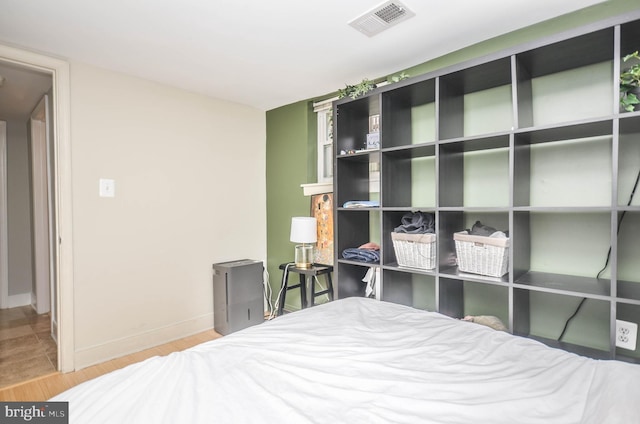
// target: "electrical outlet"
[[626, 334]]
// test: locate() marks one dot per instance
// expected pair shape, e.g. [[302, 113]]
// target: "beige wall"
[[18, 214], [189, 177]]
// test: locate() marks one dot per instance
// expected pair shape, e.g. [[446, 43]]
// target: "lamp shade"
[[303, 229]]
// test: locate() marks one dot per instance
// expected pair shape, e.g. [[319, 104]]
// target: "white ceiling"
[[262, 53]]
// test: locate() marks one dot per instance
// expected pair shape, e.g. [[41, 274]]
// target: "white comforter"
[[362, 361]]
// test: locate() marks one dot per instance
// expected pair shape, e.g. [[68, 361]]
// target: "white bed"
[[359, 360]]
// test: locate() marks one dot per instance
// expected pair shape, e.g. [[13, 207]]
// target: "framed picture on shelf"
[[322, 210]]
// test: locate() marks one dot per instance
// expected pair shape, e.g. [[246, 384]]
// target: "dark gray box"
[[237, 295]]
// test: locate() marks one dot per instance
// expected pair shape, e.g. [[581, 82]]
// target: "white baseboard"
[[127, 345], [17, 300]]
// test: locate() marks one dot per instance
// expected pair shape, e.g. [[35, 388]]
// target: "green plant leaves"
[[366, 85], [357, 90], [630, 81], [629, 101]]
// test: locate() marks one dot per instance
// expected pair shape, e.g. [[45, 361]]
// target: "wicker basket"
[[415, 250], [482, 255]]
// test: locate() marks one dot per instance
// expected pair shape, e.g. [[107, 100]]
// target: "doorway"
[[27, 346], [61, 262]]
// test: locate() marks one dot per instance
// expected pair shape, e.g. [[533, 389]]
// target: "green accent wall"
[[291, 132], [291, 161]]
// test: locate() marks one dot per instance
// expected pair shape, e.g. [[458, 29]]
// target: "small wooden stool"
[[305, 274]]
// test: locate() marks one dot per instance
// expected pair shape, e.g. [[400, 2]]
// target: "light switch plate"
[[107, 187]]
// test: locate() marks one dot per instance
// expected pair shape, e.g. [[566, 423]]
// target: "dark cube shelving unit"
[[529, 140]]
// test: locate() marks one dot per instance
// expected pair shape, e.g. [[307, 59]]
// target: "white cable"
[[276, 306], [267, 291], [315, 277], [285, 274]]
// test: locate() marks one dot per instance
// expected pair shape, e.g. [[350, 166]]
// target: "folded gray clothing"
[[361, 204], [417, 223], [479, 229], [363, 255]]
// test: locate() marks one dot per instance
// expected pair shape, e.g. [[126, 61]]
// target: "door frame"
[[63, 200]]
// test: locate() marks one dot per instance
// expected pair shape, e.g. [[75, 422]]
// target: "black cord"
[[566, 324], [606, 264], [633, 192]]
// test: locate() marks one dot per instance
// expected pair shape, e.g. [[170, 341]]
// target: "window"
[[324, 110]]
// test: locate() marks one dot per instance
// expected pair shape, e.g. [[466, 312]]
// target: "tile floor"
[[27, 349]]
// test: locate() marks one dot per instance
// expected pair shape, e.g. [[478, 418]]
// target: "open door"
[[4, 254], [41, 208]]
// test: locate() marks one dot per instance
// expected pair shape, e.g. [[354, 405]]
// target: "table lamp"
[[303, 230]]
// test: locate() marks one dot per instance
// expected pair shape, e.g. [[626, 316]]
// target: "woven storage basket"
[[415, 250], [482, 255]]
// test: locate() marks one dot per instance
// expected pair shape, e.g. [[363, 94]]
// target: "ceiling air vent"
[[381, 17]]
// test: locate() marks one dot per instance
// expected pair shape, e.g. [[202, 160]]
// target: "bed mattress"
[[359, 360]]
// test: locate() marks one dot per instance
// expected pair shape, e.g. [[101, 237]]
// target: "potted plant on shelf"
[[630, 83], [357, 90], [366, 85]]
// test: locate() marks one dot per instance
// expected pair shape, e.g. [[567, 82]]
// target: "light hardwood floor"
[[43, 388], [27, 349]]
